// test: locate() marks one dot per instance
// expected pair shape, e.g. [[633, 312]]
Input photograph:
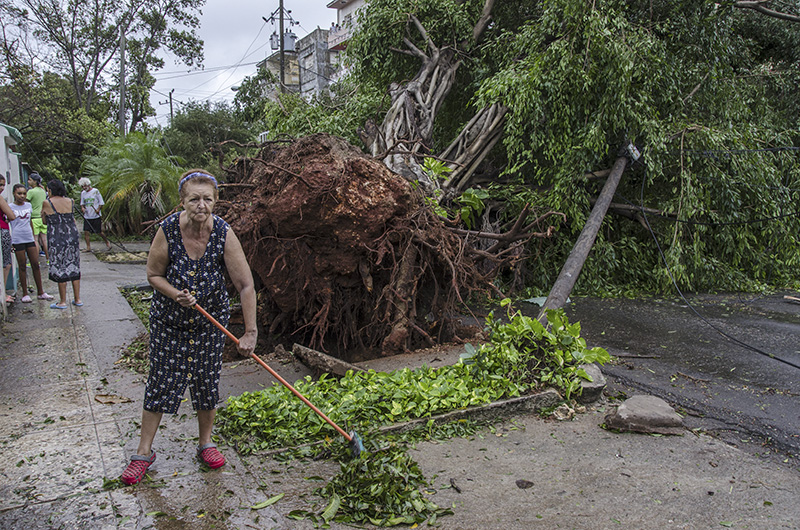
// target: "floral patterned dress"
[[185, 348], [63, 245]]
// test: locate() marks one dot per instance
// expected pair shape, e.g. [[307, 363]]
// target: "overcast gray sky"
[[236, 37]]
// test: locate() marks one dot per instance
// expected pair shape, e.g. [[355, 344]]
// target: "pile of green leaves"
[[383, 488], [533, 355], [522, 356], [273, 418]]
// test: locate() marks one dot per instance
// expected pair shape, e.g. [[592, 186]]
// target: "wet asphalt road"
[[663, 348]]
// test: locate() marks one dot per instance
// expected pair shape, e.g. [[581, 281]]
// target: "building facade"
[[308, 65], [345, 24], [11, 168]]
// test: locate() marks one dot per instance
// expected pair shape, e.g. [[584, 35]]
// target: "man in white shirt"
[[91, 205]]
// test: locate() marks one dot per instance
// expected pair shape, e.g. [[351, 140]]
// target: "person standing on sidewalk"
[[91, 204], [24, 245], [36, 196], [189, 256], [6, 215], [62, 236]]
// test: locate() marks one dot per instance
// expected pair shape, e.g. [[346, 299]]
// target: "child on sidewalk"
[[23, 242]]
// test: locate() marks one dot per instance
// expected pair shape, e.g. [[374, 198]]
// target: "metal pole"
[[280, 8]]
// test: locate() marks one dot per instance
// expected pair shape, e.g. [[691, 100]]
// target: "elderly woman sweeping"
[[188, 259]]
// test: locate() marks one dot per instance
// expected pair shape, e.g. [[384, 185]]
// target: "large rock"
[[645, 414]]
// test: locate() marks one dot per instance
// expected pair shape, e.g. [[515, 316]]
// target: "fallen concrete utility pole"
[[577, 257]]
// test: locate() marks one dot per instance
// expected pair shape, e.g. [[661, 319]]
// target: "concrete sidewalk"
[[61, 443]]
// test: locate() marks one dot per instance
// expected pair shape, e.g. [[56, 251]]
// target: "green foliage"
[[139, 300], [532, 355], [272, 418], [584, 77], [339, 112], [55, 59], [251, 101], [384, 24], [382, 489], [56, 131], [139, 182], [198, 128], [519, 359], [436, 169], [472, 206], [79, 41]]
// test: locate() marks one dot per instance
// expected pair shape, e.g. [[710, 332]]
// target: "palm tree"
[[138, 180]]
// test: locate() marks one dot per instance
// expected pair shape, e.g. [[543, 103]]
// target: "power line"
[[246, 52], [680, 293], [178, 75], [710, 152]]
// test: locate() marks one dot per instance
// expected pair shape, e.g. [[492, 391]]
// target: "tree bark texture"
[[405, 136]]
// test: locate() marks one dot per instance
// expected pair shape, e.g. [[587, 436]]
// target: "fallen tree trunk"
[[321, 362]]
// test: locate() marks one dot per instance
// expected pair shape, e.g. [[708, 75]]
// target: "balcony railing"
[[338, 37]]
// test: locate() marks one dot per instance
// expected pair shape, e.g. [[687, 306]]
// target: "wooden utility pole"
[[122, 79], [280, 28], [577, 257]]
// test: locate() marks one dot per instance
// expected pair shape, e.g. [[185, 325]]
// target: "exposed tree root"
[[347, 257]]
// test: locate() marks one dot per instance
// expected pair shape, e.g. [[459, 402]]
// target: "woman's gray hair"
[[84, 182]]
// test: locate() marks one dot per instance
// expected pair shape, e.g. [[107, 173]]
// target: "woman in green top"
[[36, 196]]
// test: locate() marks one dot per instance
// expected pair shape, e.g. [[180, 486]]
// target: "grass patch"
[[139, 300], [135, 356]]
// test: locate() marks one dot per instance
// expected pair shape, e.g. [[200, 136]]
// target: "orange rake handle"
[[275, 374]]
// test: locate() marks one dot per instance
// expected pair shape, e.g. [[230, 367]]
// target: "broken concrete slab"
[[645, 414], [485, 413]]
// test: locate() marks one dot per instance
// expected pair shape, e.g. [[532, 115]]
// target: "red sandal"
[[210, 456], [137, 468]]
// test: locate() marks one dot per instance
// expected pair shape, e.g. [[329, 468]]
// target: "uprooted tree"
[[546, 93], [533, 102], [347, 257]]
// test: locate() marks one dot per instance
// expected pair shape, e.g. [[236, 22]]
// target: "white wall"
[[348, 12], [9, 162], [10, 169]]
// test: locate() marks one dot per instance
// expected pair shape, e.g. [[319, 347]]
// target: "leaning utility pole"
[[580, 251]]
